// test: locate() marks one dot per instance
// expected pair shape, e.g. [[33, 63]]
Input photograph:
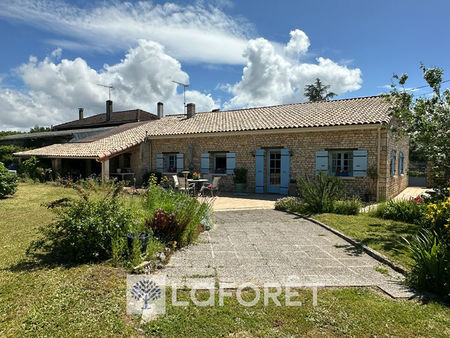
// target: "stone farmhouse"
[[350, 138]]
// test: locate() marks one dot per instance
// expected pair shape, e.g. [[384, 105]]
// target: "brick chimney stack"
[[80, 113], [109, 109], [190, 110], [160, 110]]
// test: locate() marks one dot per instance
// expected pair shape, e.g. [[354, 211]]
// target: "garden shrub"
[[174, 216], [405, 211], [347, 207], [34, 170], [8, 182], [431, 267], [290, 203], [87, 228], [320, 192], [6, 154]]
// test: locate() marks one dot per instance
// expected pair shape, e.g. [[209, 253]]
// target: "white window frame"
[[341, 153]]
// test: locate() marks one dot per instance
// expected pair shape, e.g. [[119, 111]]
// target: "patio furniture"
[[212, 188], [184, 185], [198, 182]]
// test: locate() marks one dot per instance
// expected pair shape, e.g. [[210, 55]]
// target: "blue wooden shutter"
[[159, 163], [394, 156], [321, 162], [180, 162], [359, 163], [400, 163], [231, 162], [285, 171], [205, 163], [259, 175]]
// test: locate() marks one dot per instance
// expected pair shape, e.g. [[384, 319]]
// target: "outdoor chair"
[[212, 188], [185, 186]]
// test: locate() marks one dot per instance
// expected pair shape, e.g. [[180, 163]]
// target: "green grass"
[[340, 312], [89, 299], [383, 235], [52, 300]]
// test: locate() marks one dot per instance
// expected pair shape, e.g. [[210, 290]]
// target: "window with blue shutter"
[[321, 162], [180, 162], [359, 163], [159, 163], [205, 163], [401, 163], [231, 162], [393, 160]]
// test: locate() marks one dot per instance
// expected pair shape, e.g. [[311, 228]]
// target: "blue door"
[[274, 171]]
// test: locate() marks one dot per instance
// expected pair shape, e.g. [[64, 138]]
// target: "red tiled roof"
[[357, 111]]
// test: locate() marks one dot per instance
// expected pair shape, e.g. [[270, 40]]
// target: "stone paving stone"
[[259, 246]]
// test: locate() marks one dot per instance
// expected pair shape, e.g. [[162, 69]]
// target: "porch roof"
[[357, 111]]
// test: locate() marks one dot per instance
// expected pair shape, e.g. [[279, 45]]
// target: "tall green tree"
[[318, 92], [426, 120]]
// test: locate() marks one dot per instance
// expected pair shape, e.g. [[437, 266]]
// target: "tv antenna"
[[184, 92], [109, 89]]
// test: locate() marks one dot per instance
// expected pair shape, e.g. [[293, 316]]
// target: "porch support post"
[[105, 170], [56, 165]]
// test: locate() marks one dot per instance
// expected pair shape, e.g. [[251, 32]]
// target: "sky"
[[233, 54]]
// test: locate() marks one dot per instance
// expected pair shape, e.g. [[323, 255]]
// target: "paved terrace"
[[261, 246]]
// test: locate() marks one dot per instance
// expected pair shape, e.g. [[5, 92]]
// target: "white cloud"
[[56, 88], [271, 77], [299, 42], [198, 32]]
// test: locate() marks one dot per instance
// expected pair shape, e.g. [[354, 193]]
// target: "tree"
[[318, 92], [37, 129], [426, 120]]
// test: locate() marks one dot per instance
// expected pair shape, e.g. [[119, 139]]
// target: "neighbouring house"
[[350, 138], [78, 129]]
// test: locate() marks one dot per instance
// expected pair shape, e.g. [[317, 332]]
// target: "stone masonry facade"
[[303, 146]]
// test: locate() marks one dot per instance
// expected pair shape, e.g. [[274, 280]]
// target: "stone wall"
[[391, 186], [302, 144]]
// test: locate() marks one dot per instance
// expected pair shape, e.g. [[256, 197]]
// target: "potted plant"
[[240, 179], [195, 176], [141, 236]]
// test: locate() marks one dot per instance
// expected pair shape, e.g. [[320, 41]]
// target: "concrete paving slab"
[[264, 245]]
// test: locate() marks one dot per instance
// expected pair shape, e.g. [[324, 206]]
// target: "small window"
[[220, 163], [172, 163], [393, 160], [401, 163], [341, 163]]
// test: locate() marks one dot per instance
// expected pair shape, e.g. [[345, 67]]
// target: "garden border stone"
[[371, 252]]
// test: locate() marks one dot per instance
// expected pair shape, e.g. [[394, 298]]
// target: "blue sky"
[[233, 53]]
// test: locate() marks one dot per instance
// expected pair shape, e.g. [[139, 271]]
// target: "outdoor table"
[[123, 175], [197, 182]]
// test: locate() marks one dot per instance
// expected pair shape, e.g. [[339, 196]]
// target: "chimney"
[[109, 110], [190, 110], [80, 113], [160, 110]]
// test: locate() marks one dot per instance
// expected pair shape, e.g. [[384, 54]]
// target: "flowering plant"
[[195, 176]]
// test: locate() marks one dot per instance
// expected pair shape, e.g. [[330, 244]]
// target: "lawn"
[[383, 235], [89, 299]]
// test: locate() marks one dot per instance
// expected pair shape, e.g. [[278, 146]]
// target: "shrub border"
[[371, 252]]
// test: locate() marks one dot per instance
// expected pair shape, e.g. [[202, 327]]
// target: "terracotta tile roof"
[[358, 111], [99, 120]]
